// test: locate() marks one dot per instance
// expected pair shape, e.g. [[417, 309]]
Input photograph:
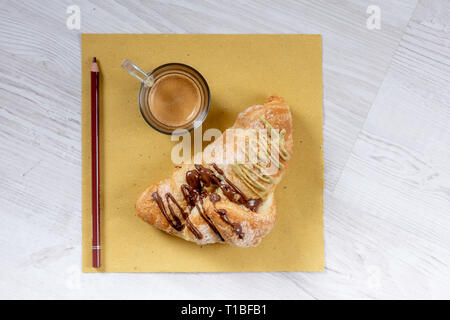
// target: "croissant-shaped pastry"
[[229, 203]]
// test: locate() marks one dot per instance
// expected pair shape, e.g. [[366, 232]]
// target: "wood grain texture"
[[398, 176], [386, 202]]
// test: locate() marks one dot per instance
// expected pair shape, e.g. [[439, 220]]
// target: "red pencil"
[[95, 164]]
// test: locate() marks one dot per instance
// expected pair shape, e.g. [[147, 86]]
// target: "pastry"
[[226, 202]]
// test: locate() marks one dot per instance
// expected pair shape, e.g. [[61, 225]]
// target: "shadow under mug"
[[148, 80]]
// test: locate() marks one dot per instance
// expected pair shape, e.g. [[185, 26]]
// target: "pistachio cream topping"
[[252, 175], [283, 152]]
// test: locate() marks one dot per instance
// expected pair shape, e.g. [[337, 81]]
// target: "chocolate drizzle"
[[234, 194], [189, 224], [235, 226], [253, 204], [174, 221], [214, 197], [193, 179], [195, 191], [219, 171], [208, 221]]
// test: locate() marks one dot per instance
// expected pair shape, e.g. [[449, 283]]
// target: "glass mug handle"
[[138, 73]]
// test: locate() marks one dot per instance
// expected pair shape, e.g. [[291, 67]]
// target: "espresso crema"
[[174, 99]]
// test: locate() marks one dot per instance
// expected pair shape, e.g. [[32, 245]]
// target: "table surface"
[[386, 147]]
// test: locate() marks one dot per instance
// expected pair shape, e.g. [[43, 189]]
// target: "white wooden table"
[[386, 147]]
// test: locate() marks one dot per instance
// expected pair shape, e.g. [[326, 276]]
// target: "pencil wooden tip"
[[94, 66]]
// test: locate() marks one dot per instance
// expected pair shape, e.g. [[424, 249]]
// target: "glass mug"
[[172, 96]]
